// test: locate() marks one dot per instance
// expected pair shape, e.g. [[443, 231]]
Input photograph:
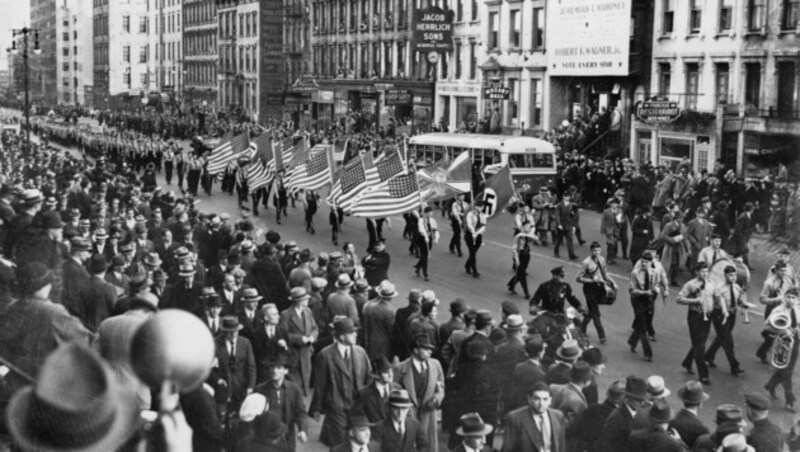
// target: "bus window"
[[542, 160], [530, 160]]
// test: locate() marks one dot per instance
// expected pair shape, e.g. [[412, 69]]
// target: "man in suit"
[[229, 294], [457, 309], [527, 372], [509, 354], [358, 436], [217, 272], [286, 399], [423, 378], [211, 313], [609, 227], [473, 431], [236, 361], [566, 216], [342, 370], [301, 332], [75, 275], [269, 341], [97, 297], [248, 315], [378, 322], [687, 421], [765, 436], [658, 436], [400, 347], [742, 231], [590, 425], [619, 424], [399, 432], [698, 233], [483, 327], [373, 400], [267, 276], [569, 399], [536, 427], [186, 292]]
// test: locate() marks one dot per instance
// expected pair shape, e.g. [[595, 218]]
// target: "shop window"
[[755, 15], [692, 85], [752, 84], [664, 78], [645, 150], [668, 17], [790, 12], [703, 145], [675, 150], [494, 26], [537, 30], [725, 15], [723, 83], [786, 89], [536, 103]]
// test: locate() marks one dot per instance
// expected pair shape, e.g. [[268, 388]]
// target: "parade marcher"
[[552, 294], [342, 369], [687, 421], [642, 233], [676, 247], [474, 227], [423, 378], [426, 235], [773, 294], [400, 432], [566, 220], [457, 211], [713, 252], [742, 231], [609, 227], [595, 278], [542, 204], [783, 376], [784, 255], [728, 298], [521, 256], [698, 234], [697, 294], [764, 436], [285, 399], [473, 431], [619, 424], [549, 425], [301, 331], [644, 291]]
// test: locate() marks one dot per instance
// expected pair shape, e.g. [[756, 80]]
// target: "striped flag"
[[228, 151], [283, 150], [388, 166], [444, 180], [258, 175], [315, 172], [351, 184], [392, 197]]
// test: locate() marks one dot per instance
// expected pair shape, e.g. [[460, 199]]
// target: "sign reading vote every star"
[[433, 30], [589, 37]]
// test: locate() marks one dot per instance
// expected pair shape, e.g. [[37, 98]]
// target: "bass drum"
[[717, 273]]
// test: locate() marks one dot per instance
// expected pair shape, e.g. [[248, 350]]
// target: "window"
[[725, 15], [664, 78], [515, 36], [790, 10], [538, 29], [695, 16], [387, 61], [752, 84], [755, 15], [473, 61], [702, 152], [143, 79], [692, 85], [401, 58], [536, 103], [786, 88], [65, 81], [674, 150], [722, 83], [126, 78], [126, 54], [143, 24], [143, 54], [65, 51], [457, 62], [494, 26], [65, 36], [65, 67], [668, 17], [459, 10], [513, 101], [126, 23], [474, 10]]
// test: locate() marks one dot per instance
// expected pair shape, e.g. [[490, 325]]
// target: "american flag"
[[258, 175], [227, 152], [312, 174], [351, 183], [388, 166], [392, 197], [283, 150]]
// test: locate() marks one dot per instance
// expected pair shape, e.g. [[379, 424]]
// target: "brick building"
[[200, 52]]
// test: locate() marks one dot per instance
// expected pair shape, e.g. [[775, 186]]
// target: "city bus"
[[532, 161]]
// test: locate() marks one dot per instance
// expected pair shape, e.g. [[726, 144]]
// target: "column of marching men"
[[91, 250]]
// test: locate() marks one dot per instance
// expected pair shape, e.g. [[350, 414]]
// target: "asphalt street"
[[449, 280]]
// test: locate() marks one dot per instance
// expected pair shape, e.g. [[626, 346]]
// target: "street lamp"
[[25, 32]]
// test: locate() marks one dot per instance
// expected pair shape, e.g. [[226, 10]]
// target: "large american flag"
[[283, 150], [227, 152], [388, 166], [351, 184], [392, 197], [258, 175], [312, 174]]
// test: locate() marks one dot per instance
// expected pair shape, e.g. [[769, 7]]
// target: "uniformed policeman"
[[551, 294]]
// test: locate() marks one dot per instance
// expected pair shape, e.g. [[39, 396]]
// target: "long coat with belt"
[[293, 327], [431, 395], [522, 434]]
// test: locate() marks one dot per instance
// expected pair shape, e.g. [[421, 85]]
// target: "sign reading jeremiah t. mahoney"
[[433, 30], [589, 37]]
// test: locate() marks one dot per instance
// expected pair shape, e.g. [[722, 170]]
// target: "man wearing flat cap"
[[342, 369], [729, 420], [765, 436]]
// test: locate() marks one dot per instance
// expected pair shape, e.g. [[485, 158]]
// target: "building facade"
[[166, 65], [43, 67], [200, 53], [734, 71], [74, 53], [250, 57]]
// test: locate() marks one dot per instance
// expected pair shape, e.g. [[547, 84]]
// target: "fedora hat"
[[400, 398], [52, 220], [159, 275], [152, 259], [483, 319], [32, 277], [636, 387], [250, 294], [117, 261], [77, 244], [126, 247], [593, 356], [344, 281], [387, 290], [381, 365], [299, 294], [100, 234], [318, 283], [278, 360], [98, 264], [660, 412], [343, 325], [358, 420], [656, 387], [186, 270], [692, 392], [254, 405], [213, 300], [74, 385], [735, 442], [569, 350], [514, 322], [32, 197], [361, 286], [423, 341], [230, 323], [471, 424]]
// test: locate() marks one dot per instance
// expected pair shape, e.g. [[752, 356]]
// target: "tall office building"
[[200, 52]]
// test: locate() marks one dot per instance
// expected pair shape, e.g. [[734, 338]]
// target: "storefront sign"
[[496, 91], [325, 96], [398, 96], [590, 38], [457, 89], [305, 84], [433, 30], [657, 110]]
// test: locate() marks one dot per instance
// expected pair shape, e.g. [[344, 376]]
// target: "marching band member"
[[783, 376], [594, 277], [713, 252], [772, 295], [643, 291], [727, 297], [697, 295]]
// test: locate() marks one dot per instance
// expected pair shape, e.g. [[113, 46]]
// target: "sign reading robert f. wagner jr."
[[433, 30]]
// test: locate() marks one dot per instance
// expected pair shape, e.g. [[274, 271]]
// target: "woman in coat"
[[676, 247], [642, 233]]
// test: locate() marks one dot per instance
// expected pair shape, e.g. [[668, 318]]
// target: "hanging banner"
[[433, 30]]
